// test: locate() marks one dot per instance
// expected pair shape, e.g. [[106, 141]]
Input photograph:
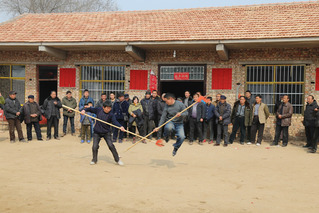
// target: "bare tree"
[[18, 7]]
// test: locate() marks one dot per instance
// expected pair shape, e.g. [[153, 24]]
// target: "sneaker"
[[249, 143], [258, 144], [120, 163], [191, 143], [174, 152], [82, 141], [211, 142], [120, 141], [92, 163], [88, 141]]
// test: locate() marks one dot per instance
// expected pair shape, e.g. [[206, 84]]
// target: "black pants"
[[238, 123], [248, 133], [285, 133], [116, 131], [222, 130], [257, 126], [55, 121], [148, 126], [209, 125], [186, 128], [36, 128], [315, 139], [108, 140], [199, 126], [65, 123], [310, 131]]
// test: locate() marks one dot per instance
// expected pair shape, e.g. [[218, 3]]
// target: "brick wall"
[[155, 57]]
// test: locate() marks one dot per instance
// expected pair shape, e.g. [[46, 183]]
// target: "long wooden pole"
[[164, 124], [112, 125]]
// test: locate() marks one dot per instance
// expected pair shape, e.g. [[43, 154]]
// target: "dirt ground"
[[56, 176]]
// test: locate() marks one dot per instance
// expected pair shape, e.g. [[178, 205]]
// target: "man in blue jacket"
[[120, 111], [209, 120], [102, 130], [222, 113]]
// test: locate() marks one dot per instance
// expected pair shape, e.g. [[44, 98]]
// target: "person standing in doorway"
[[222, 113], [209, 120], [260, 114], [283, 114], [32, 115], [310, 119], [69, 101], [148, 111], [240, 118], [120, 111], [196, 116], [12, 112], [51, 108], [188, 100]]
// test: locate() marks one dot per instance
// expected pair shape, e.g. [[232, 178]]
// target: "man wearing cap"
[[222, 113], [12, 112], [52, 107], [32, 115], [148, 111], [120, 111], [68, 101]]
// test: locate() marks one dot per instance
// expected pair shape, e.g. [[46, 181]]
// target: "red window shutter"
[[221, 78], [67, 77], [317, 79], [138, 79]]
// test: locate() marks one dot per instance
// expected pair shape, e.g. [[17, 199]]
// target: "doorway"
[[178, 88], [47, 81]]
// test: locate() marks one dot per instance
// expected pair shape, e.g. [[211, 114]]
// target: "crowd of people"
[[205, 120]]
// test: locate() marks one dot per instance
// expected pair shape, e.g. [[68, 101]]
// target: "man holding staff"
[[171, 109], [102, 130]]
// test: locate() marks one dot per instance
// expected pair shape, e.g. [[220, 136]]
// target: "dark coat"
[[247, 113], [160, 107], [286, 114], [210, 112], [310, 114], [48, 105], [11, 108], [138, 119], [100, 103], [226, 115], [26, 112], [69, 103], [119, 109], [148, 108], [201, 111], [189, 101]]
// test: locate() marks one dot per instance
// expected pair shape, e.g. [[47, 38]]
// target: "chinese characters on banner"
[[181, 76], [153, 82]]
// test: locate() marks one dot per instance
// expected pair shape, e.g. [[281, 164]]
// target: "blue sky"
[[175, 4]]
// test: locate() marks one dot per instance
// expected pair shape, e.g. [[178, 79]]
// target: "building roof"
[[269, 21]]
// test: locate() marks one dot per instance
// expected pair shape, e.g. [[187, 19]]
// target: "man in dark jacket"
[[196, 115], [160, 107], [148, 112], [51, 108], [155, 99], [240, 114], [12, 112], [222, 113], [69, 101], [283, 114], [32, 115], [188, 100], [209, 120], [250, 101], [310, 119], [314, 141], [102, 100], [102, 130], [120, 111]]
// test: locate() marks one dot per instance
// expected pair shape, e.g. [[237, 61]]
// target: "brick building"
[[270, 49]]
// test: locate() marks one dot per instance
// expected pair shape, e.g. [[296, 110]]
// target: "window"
[[98, 79], [274, 81], [12, 77], [195, 72]]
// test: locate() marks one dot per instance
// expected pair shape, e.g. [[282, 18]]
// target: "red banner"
[[181, 76], [153, 82]]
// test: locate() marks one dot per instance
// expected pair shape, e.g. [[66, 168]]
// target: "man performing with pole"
[[173, 109]]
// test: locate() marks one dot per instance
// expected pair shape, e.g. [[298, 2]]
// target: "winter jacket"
[[49, 105], [70, 103], [160, 107], [189, 101], [310, 114], [83, 102], [133, 108], [263, 113], [102, 128], [200, 111], [247, 113], [210, 112], [120, 109], [148, 108], [226, 115], [11, 107], [100, 103], [286, 114], [26, 112]]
